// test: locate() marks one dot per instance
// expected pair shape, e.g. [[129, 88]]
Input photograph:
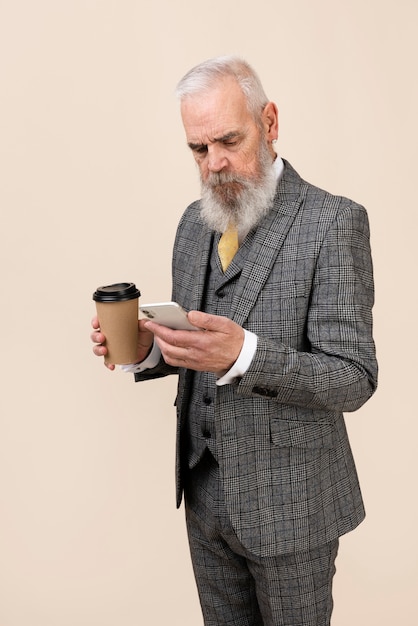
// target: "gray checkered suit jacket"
[[306, 290]]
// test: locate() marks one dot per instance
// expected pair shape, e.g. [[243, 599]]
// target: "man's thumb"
[[205, 321]]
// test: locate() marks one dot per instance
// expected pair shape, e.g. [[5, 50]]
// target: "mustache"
[[225, 187], [215, 179]]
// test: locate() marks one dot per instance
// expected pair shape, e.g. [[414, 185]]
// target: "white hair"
[[206, 75]]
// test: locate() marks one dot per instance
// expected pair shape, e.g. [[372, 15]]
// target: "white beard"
[[228, 198]]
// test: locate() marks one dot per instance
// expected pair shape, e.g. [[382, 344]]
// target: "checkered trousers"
[[237, 588]]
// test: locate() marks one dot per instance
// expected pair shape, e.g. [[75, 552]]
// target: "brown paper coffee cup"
[[117, 310]]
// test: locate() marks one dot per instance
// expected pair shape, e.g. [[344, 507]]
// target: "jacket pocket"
[[300, 434]]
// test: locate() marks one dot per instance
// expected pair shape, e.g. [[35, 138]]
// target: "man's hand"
[[215, 348], [145, 341]]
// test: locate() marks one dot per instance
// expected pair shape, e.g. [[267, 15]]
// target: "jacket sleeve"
[[159, 371], [338, 371]]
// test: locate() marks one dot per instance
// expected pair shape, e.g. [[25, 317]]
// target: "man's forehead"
[[215, 112]]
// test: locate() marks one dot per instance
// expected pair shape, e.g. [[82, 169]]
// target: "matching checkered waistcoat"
[[217, 300]]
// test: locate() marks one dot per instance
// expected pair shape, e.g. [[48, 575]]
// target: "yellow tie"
[[228, 246]]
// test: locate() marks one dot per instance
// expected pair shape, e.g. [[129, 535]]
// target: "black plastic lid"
[[116, 293]]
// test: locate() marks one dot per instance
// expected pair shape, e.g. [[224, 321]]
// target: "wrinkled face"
[[233, 152], [221, 132]]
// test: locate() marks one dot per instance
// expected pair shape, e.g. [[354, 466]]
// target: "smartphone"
[[168, 314]]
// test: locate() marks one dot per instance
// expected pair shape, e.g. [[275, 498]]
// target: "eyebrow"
[[223, 139]]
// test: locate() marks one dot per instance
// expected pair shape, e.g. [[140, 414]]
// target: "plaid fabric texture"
[[306, 289], [237, 588]]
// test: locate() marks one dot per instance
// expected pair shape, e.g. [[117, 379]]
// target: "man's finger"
[[208, 322]]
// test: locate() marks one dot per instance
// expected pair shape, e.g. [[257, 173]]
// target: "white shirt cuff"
[[238, 369], [152, 360], [243, 361]]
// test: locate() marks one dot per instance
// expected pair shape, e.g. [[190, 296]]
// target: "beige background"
[[93, 165]]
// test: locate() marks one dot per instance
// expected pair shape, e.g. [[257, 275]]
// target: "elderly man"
[[284, 348]]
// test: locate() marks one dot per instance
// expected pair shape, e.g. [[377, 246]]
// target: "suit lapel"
[[268, 240], [198, 272], [202, 262]]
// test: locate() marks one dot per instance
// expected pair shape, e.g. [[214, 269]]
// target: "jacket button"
[[206, 433], [207, 400]]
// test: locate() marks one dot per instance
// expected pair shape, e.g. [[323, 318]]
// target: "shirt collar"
[[278, 167]]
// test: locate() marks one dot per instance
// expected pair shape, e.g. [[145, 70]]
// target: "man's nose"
[[217, 160]]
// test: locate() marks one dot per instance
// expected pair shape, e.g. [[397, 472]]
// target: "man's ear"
[[270, 117]]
